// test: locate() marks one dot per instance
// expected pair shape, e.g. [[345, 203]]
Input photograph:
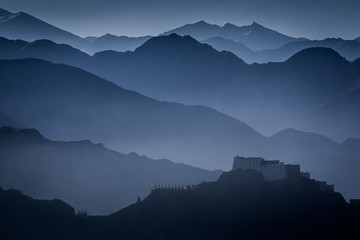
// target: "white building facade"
[[270, 169]]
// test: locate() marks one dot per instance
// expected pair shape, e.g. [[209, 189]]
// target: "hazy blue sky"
[[309, 18]]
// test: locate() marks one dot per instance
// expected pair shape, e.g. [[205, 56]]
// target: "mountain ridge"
[[26, 27], [108, 180], [115, 43], [254, 36], [350, 49], [88, 107], [4, 12], [171, 75]]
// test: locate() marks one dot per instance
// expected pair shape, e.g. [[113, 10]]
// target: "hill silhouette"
[[239, 204], [349, 49], [242, 204], [322, 55], [25, 218], [88, 176]]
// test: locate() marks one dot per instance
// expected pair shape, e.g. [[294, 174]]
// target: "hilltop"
[[239, 205]]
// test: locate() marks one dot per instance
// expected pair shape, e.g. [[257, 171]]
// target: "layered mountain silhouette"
[[168, 77], [254, 36], [183, 70], [350, 49], [252, 43], [86, 175], [49, 83], [283, 93], [44, 49], [239, 49], [115, 43], [240, 204], [67, 103], [29, 28], [26, 27]]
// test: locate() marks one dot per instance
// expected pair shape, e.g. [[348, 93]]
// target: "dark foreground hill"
[[240, 205], [88, 176], [25, 218]]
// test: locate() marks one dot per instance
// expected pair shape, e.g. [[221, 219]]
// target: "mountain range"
[[26, 27], [252, 43], [115, 43], [350, 49], [239, 204], [23, 26], [82, 120], [66, 103], [254, 36], [288, 94], [88, 176], [314, 90]]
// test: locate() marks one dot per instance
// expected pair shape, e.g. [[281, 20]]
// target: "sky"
[[314, 19]]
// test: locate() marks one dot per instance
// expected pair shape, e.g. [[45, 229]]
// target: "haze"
[[312, 19]]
